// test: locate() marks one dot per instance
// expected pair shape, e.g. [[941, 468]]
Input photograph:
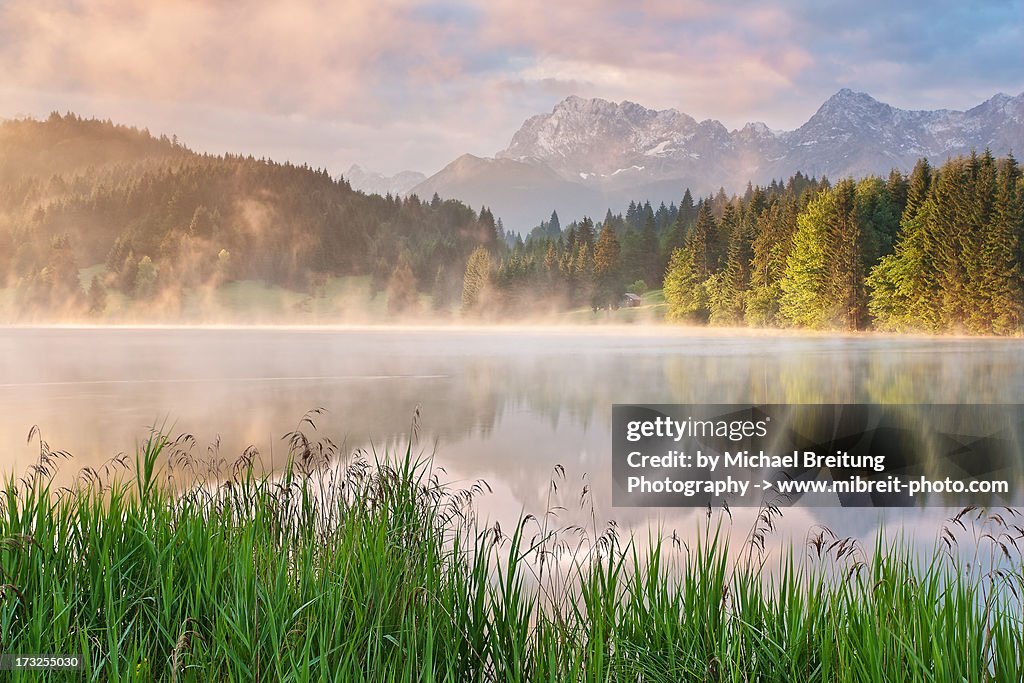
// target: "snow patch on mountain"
[[852, 133]]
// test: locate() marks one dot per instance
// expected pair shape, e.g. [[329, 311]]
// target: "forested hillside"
[[148, 221], [75, 193]]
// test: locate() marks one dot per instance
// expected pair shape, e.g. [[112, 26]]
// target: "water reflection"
[[504, 405]]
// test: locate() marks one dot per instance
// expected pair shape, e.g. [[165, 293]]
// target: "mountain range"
[[588, 155], [372, 182]]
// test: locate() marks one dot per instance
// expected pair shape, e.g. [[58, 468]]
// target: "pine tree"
[[489, 236], [769, 250], [701, 241], [921, 286], [727, 227], [476, 283], [1002, 279], [202, 223], [582, 283], [871, 226], [441, 293], [631, 259], [570, 239], [728, 308], [607, 276], [691, 282], [609, 220], [898, 187], [402, 293], [554, 225], [127, 273], [97, 296], [146, 276], [817, 287], [676, 237], [551, 259], [683, 290], [918, 188], [841, 294], [902, 286], [652, 268], [878, 215], [980, 275], [719, 202], [633, 217], [756, 206], [585, 233], [951, 232], [687, 209], [661, 218]]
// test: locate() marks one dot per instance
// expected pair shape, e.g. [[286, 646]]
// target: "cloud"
[[373, 68], [771, 61], [268, 56], [395, 84], [916, 54], [692, 56]]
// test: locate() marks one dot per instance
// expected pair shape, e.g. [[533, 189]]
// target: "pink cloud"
[[298, 56], [710, 62]]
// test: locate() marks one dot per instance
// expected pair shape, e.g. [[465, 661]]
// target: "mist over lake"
[[502, 404]]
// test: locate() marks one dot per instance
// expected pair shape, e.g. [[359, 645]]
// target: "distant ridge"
[[604, 154], [372, 182]]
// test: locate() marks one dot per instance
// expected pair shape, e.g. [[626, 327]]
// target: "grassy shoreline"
[[378, 570]]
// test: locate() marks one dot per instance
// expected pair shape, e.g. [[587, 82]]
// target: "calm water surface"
[[505, 405]]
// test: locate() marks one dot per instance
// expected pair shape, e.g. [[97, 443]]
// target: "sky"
[[400, 84]]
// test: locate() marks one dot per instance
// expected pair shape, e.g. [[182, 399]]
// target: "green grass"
[[652, 310], [376, 570]]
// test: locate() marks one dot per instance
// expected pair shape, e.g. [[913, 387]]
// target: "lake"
[[502, 404]]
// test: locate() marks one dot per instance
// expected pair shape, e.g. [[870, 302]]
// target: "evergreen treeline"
[[595, 264], [957, 263], [75, 193], [940, 250]]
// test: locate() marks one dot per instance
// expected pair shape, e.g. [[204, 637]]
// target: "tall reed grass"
[[163, 567]]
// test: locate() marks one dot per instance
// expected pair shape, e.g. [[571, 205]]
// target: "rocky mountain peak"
[[849, 106], [614, 152]]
